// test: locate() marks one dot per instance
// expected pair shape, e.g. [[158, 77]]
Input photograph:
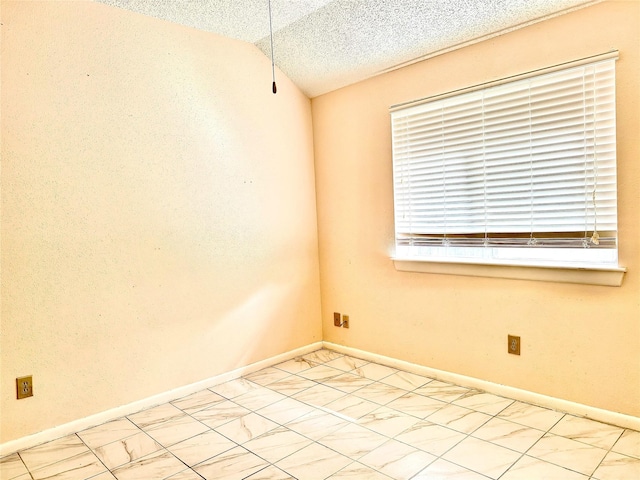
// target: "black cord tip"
[[273, 88]]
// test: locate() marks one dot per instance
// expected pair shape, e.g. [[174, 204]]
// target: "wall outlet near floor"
[[340, 320], [24, 387], [513, 345]]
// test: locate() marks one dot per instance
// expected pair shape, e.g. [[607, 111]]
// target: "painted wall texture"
[[579, 343], [159, 221], [158, 210]]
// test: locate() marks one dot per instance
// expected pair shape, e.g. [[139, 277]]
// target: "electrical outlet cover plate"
[[337, 322], [513, 344], [24, 387], [345, 321]]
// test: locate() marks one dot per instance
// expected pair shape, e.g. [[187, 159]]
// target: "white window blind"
[[522, 170]]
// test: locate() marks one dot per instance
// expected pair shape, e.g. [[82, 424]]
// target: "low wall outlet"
[[24, 387], [345, 321], [513, 344], [337, 321]]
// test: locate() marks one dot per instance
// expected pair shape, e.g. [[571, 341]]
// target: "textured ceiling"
[[323, 45]]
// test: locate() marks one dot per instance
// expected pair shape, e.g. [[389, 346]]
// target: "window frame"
[[606, 273]]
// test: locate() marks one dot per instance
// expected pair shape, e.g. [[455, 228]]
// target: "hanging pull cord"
[[595, 238], [274, 89]]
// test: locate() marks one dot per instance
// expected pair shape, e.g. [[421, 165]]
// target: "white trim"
[[606, 276], [80, 424], [578, 409], [601, 415]]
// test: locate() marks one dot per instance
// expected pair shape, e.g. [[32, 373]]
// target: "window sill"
[[607, 276]]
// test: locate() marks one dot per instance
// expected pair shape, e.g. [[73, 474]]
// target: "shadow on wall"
[[247, 326]]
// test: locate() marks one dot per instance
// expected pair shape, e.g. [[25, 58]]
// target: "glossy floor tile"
[[330, 416]]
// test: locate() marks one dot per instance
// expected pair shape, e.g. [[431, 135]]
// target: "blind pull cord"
[[595, 238], [445, 240], [532, 240], [585, 240], [484, 175]]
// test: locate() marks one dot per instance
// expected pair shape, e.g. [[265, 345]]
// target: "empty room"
[[320, 239]]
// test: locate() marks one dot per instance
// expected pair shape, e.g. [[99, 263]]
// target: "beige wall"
[[159, 222], [158, 210], [580, 343]]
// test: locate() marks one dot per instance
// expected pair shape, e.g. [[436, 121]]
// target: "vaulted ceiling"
[[323, 45]]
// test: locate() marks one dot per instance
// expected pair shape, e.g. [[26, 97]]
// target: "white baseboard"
[[601, 415], [578, 409], [118, 412]]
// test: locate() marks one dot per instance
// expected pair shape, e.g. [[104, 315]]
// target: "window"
[[521, 171]]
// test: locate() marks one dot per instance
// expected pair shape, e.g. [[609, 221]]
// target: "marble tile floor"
[[330, 416]]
